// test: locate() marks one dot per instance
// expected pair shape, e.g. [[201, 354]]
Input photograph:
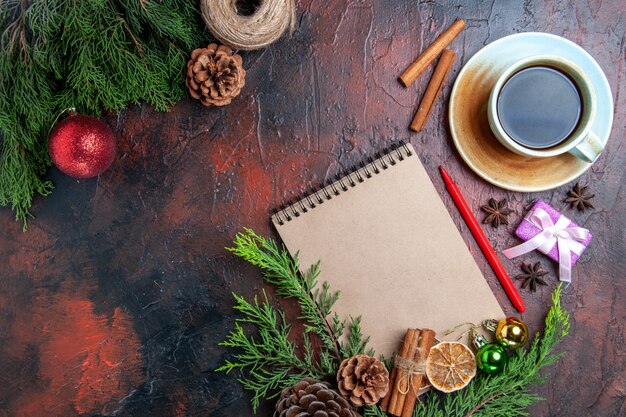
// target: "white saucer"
[[472, 136]]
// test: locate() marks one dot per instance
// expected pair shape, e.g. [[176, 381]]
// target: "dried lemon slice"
[[450, 366]]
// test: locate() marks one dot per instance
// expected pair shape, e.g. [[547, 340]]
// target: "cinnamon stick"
[[429, 55], [384, 403], [432, 91], [403, 353], [402, 382], [427, 338]]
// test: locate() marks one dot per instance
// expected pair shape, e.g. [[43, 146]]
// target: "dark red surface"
[[114, 301]]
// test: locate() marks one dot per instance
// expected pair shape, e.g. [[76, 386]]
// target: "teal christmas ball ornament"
[[491, 358]]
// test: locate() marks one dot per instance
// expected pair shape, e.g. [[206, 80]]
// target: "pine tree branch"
[[482, 403], [283, 271], [269, 360], [134, 39], [357, 343], [318, 310], [16, 30], [94, 55]]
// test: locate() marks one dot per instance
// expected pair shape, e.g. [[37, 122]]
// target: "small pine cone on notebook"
[[363, 380]]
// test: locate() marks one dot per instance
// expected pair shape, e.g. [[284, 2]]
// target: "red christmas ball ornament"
[[81, 146]]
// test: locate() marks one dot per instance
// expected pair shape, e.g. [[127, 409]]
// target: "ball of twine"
[[268, 22]]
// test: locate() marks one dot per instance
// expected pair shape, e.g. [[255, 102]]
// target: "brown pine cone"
[[311, 397], [215, 75], [363, 380]]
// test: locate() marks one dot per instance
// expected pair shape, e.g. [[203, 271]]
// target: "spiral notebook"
[[387, 242]]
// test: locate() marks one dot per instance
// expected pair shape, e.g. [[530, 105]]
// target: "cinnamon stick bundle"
[[432, 91], [427, 338], [405, 352], [429, 55], [406, 376]]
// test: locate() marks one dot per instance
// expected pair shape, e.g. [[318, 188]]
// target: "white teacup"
[[586, 144]]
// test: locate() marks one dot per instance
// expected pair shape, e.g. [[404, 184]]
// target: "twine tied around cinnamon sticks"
[[411, 369], [407, 374]]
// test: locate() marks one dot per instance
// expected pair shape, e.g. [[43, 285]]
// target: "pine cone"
[[215, 75], [311, 397], [363, 380]]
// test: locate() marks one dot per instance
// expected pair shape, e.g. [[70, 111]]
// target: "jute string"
[[410, 368], [268, 22]]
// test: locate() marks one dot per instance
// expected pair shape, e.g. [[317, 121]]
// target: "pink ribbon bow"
[[567, 238]]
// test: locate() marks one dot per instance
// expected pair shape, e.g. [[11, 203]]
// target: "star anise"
[[532, 275], [497, 212], [578, 198]]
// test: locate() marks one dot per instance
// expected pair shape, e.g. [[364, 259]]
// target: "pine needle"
[[267, 357], [94, 55]]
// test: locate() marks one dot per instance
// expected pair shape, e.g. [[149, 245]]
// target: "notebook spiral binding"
[[357, 174]]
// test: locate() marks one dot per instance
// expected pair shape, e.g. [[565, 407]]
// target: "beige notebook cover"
[[389, 245]]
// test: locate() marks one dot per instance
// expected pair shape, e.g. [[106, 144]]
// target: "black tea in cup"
[[539, 107]]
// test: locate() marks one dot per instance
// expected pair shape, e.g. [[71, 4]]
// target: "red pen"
[[484, 244]]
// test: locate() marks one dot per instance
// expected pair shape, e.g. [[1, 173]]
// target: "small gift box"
[[548, 231]]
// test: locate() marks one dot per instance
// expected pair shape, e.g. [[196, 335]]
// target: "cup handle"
[[589, 149]]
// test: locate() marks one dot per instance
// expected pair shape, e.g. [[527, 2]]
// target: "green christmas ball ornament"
[[511, 332], [490, 357]]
